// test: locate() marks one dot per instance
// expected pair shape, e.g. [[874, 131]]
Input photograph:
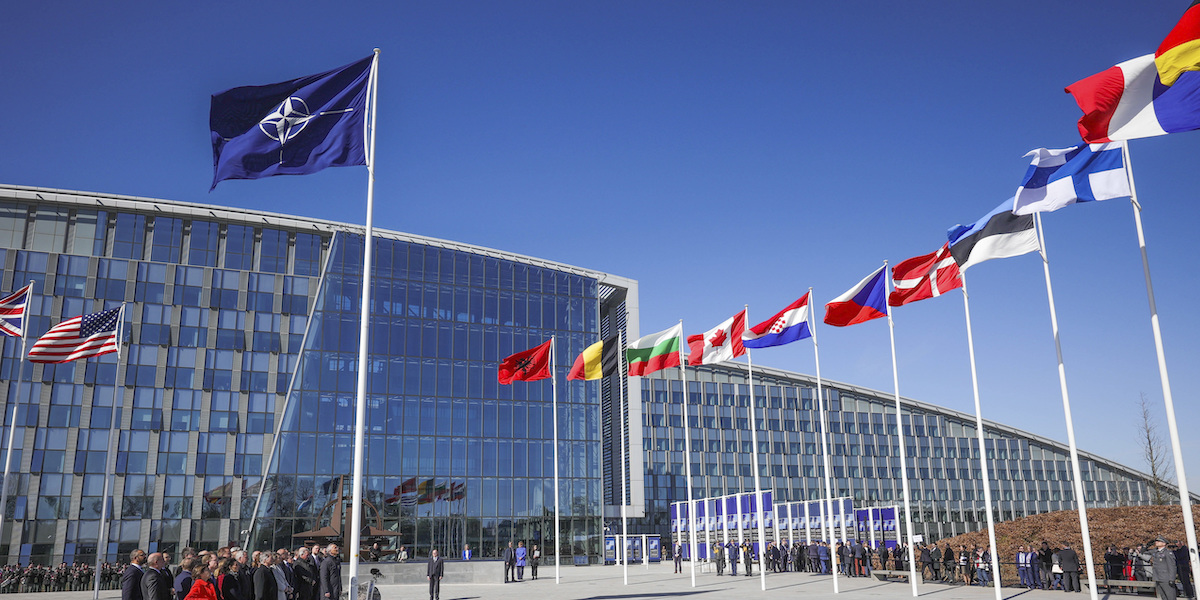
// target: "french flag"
[[865, 301], [1130, 101], [787, 326]]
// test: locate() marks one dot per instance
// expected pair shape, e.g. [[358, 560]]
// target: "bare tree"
[[1153, 451]]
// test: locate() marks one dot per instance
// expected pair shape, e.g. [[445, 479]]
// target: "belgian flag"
[[599, 360]]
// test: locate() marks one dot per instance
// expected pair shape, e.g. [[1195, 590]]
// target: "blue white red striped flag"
[[81, 337], [12, 312]]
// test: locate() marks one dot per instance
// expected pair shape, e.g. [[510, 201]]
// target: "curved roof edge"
[[257, 217], [742, 369]]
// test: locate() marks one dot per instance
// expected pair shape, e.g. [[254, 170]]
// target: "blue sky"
[[720, 153]]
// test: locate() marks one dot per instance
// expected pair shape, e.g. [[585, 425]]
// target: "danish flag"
[[924, 277]]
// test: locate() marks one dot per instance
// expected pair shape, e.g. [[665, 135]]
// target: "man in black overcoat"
[[264, 578]]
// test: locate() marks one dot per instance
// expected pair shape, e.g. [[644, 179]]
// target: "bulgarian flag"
[[654, 352]]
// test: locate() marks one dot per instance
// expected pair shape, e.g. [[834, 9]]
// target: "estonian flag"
[[999, 234]]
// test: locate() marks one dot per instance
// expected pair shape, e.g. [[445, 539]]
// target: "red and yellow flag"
[[1180, 51]]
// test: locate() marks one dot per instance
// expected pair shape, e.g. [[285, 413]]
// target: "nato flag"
[[292, 128]]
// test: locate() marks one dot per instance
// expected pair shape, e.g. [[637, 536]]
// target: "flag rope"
[[12, 428], [1185, 500], [110, 460], [364, 328], [987, 486], [826, 527], [758, 495], [912, 565], [1062, 384]]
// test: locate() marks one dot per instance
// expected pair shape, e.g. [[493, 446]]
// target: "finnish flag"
[[1058, 178]]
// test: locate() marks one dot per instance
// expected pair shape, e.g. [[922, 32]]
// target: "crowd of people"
[[308, 573], [62, 578], [1047, 567]]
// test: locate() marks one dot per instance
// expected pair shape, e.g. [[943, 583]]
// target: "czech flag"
[[865, 301]]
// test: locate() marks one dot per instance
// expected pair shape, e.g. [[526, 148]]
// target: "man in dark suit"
[[330, 575], [264, 578], [306, 575], [245, 575], [510, 562], [131, 577], [1069, 561], [183, 580], [433, 572], [156, 580]]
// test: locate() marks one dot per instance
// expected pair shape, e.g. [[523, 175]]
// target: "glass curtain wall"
[[451, 456]]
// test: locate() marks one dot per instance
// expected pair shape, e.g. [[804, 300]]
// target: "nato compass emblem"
[[290, 118]]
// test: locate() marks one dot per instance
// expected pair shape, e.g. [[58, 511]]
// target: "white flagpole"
[[1185, 499], [110, 459], [758, 496], [828, 506], [912, 564], [1062, 382], [554, 395], [687, 457], [621, 548], [987, 486], [13, 423], [364, 328]]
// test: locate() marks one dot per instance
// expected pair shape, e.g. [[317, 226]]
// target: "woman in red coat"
[[202, 585]]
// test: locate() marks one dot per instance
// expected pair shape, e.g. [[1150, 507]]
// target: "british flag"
[[12, 312]]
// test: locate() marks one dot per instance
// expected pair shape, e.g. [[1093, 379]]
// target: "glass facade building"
[[236, 390], [235, 398], [1029, 474]]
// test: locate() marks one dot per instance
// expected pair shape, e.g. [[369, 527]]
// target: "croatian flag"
[[1058, 178], [865, 301], [787, 326]]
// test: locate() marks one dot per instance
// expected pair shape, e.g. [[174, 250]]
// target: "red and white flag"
[[82, 337], [924, 276], [722, 343]]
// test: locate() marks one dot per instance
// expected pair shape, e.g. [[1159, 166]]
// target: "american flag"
[[82, 337], [12, 312]]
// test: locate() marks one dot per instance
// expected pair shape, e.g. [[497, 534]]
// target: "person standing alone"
[[433, 572]]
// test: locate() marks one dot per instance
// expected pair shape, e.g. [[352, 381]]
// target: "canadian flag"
[[924, 277], [722, 343]]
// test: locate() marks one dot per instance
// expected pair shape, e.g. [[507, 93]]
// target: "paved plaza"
[[658, 581]]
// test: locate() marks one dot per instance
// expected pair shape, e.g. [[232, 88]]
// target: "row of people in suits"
[[235, 575]]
